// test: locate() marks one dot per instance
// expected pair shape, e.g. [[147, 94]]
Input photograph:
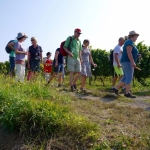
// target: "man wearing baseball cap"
[[73, 60]]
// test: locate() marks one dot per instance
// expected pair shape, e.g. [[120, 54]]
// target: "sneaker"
[[129, 95], [82, 89], [47, 83], [116, 91], [75, 87], [112, 89], [59, 85], [72, 88]]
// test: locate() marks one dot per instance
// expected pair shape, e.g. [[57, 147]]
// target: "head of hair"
[[34, 39], [20, 38], [86, 41], [48, 53]]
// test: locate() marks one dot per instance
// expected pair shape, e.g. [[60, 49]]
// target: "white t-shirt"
[[118, 49]]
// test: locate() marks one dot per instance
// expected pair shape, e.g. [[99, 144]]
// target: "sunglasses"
[[78, 33], [32, 40]]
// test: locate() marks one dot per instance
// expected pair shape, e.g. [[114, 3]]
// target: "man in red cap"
[[73, 60]]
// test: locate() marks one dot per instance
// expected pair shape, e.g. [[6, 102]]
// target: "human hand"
[[26, 53], [28, 66], [95, 65], [119, 65], [56, 64], [133, 65], [70, 54]]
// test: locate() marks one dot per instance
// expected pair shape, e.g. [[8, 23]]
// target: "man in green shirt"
[[73, 60]]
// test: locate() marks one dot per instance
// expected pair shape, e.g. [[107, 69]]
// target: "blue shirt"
[[60, 57], [35, 52], [134, 52]]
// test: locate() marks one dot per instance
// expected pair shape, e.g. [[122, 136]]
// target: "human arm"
[[29, 56], [16, 48], [117, 51], [117, 60], [56, 58], [80, 56], [129, 52], [41, 57], [91, 60], [11, 45], [66, 47]]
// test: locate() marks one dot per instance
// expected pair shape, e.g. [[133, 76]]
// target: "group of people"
[[79, 60], [125, 55]]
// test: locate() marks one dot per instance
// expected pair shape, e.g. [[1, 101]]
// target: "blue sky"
[[52, 21]]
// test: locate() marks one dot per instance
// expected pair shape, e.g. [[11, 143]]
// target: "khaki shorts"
[[118, 71], [73, 65]]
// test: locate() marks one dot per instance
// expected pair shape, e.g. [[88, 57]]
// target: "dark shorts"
[[12, 63], [35, 65], [59, 68]]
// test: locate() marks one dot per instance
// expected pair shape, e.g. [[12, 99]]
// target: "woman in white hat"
[[128, 61], [20, 57]]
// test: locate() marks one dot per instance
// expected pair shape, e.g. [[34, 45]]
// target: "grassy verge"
[[35, 110], [48, 118]]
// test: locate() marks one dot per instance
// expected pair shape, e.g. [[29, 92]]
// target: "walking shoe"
[[112, 89], [47, 83], [72, 88], [129, 95], [82, 89], [59, 85], [116, 91], [75, 87]]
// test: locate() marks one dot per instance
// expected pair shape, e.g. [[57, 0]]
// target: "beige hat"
[[133, 33], [33, 38]]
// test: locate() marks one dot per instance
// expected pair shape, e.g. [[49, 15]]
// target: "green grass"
[[50, 118], [33, 109]]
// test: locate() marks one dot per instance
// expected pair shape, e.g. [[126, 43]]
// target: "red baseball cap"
[[78, 30]]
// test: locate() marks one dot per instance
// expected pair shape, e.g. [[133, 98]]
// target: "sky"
[[52, 21]]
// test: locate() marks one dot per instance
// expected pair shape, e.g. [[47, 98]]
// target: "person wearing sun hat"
[[73, 58], [128, 62], [20, 57]]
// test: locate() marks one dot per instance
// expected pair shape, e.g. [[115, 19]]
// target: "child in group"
[[47, 62], [86, 61]]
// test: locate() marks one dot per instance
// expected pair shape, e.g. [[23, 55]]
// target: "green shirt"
[[75, 46], [12, 54]]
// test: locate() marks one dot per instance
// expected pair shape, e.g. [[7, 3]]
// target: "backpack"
[[111, 57], [62, 51], [9, 50]]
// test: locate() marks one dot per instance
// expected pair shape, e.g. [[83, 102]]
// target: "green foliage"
[[4, 67], [100, 57], [144, 64]]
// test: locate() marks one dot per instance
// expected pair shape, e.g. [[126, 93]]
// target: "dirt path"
[[139, 101]]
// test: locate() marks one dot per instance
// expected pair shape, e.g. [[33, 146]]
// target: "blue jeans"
[[12, 63], [128, 71], [59, 68], [35, 65]]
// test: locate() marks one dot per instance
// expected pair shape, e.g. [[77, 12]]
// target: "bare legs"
[[60, 79], [73, 78], [83, 81]]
